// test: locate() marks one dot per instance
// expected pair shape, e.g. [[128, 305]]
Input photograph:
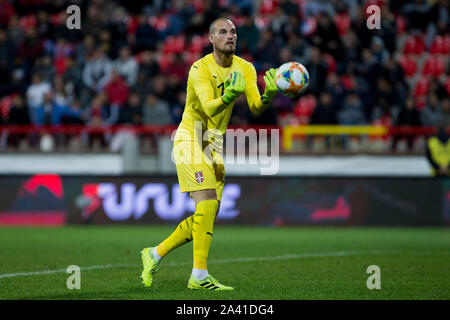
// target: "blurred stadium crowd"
[[129, 62]]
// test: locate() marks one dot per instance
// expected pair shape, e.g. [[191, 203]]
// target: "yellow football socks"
[[202, 231], [198, 227], [181, 235]]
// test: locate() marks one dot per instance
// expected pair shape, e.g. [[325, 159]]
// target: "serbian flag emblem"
[[199, 177]]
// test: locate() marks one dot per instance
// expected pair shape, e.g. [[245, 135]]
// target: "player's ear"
[[211, 38]]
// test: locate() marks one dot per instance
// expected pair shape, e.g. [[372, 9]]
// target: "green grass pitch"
[[261, 263]]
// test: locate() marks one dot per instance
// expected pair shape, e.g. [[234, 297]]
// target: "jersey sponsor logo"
[[199, 177]]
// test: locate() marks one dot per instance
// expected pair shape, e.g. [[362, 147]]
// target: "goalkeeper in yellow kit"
[[213, 85]]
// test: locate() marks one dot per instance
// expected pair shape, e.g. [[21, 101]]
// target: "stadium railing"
[[288, 134]]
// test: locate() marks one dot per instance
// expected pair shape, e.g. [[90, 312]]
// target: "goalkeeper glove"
[[271, 88], [234, 86]]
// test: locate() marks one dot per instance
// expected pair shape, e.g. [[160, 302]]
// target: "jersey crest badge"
[[199, 177]]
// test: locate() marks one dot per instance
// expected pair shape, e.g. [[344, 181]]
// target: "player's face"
[[224, 38]]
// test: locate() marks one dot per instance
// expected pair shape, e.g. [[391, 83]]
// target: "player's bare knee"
[[202, 195]]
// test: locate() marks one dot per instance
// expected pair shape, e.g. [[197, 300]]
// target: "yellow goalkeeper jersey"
[[205, 87]]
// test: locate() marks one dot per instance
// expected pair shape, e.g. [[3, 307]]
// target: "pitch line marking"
[[174, 264]]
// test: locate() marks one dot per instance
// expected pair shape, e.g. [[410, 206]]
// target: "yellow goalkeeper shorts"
[[196, 170]]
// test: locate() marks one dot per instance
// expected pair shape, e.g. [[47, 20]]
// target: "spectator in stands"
[[186, 12], [18, 115], [437, 87], [142, 86], [161, 88], [248, 35], [96, 17], [177, 108], [61, 97], [73, 76], [86, 49], [5, 49], [98, 112], [395, 77], [409, 116], [44, 66], [317, 71], [118, 26], [380, 54], [20, 75], [299, 48], [44, 26], [278, 20], [385, 92], [267, 49], [290, 7], [351, 51], [438, 151], [446, 110], [66, 114], [417, 14], [35, 98], [156, 111], [6, 12], [131, 112], [5, 63], [352, 112], [63, 49], [149, 66], [336, 89], [146, 35], [127, 66], [178, 68], [327, 37], [116, 89], [285, 55], [368, 69], [324, 113], [98, 116], [105, 42], [97, 71], [15, 32], [432, 111], [31, 47]]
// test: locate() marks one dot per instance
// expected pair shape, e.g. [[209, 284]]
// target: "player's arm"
[[233, 87], [256, 102]]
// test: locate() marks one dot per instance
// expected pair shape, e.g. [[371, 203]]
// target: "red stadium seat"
[[434, 66], [440, 45], [421, 87], [409, 65], [268, 7], [164, 62], [414, 45], [160, 23], [196, 45], [174, 44], [190, 58]]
